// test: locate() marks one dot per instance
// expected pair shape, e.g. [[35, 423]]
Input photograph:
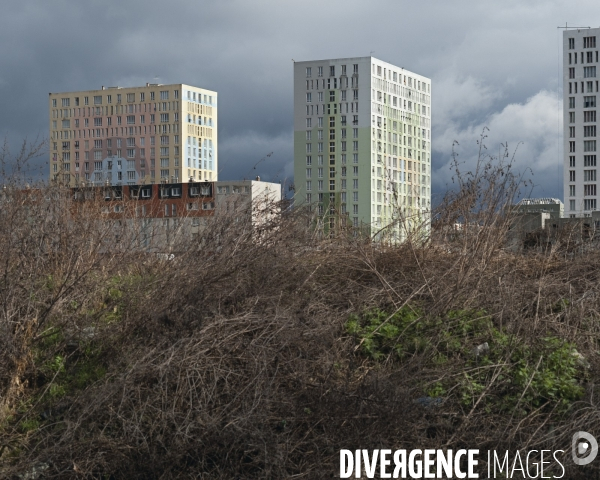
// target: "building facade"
[[580, 92], [128, 136], [362, 144]]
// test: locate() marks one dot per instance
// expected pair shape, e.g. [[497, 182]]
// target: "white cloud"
[[533, 128]]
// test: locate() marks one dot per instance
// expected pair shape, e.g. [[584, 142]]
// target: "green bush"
[[516, 376]]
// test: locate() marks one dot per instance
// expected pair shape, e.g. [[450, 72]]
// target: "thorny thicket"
[[235, 359]]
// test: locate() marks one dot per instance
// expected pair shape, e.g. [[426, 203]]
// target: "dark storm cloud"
[[492, 63]]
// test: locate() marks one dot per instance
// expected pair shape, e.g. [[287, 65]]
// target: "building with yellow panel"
[[129, 136]]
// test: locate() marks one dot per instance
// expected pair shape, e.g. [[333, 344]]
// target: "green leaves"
[[515, 375]]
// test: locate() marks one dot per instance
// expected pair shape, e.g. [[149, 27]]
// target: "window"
[[572, 72], [332, 172], [572, 147], [332, 95], [308, 147], [309, 160], [308, 186], [320, 71], [130, 152], [355, 171], [572, 117], [164, 117], [571, 43], [589, 116], [130, 119], [309, 173], [308, 97], [355, 68], [97, 143], [320, 172], [332, 71], [571, 102], [571, 175], [97, 99], [589, 204], [331, 147], [571, 161], [589, 146], [571, 190], [164, 95], [589, 131], [571, 132], [589, 160], [589, 190], [588, 42], [331, 184], [308, 72], [309, 123], [589, 102], [589, 175], [588, 72], [320, 98]]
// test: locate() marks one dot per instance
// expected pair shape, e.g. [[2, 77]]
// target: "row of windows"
[[588, 146], [332, 96], [130, 119], [131, 142], [588, 72], [590, 88], [331, 70], [588, 116], [588, 42], [378, 70], [332, 172], [588, 175], [588, 190], [588, 161], [331, 159], [192, 96], [588, 131], [331, 133], [320, 185], [331, 147], [588, 102], [589, 57], [588, 204], [332, 108], [343, 121], [66, 102]]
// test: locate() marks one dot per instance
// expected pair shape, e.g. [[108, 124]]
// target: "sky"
[[494, 64]]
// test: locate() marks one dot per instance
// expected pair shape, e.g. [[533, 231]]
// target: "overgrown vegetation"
[[262, 358]]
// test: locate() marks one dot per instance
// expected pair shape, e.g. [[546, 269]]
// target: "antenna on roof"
[[566, 27]]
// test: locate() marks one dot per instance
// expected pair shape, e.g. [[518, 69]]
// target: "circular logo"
[[584, 448]]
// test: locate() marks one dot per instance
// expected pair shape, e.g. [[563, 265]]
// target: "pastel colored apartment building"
[[139, 135], [362, 144]]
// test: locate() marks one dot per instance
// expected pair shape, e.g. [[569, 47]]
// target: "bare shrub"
[[237, 358]]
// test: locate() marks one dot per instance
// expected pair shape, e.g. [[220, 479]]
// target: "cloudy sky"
[[492, 63]]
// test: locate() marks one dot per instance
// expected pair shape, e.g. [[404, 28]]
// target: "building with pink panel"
[[130, 136]]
